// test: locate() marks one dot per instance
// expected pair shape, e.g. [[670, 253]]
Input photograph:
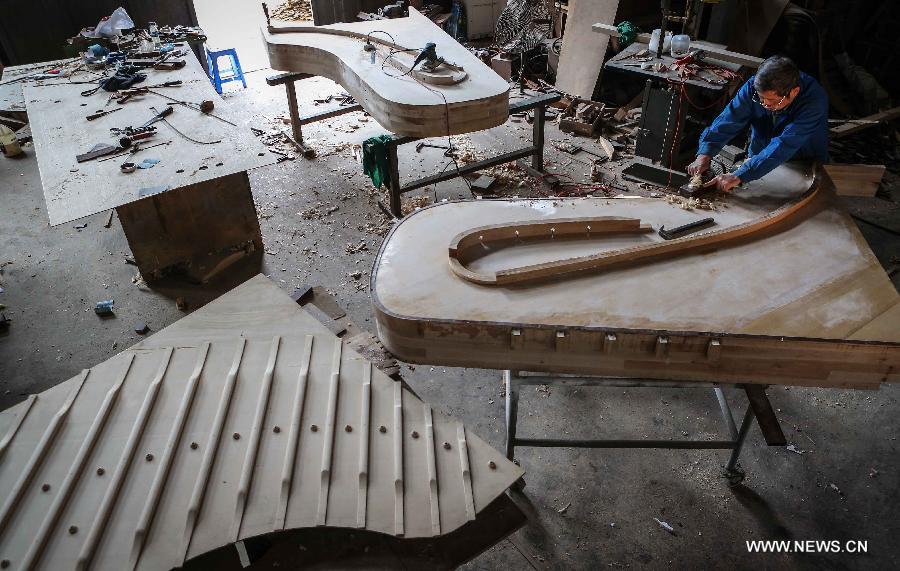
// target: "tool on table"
[[206, 107], [173, 83], [168, 111], [131, 134], [98, 150], [695, 187], [46, 74], [159, 116], [136, 135], [99, 114], [430, 60], [170, 65], [686, 229], [133, 150], [90, 91]]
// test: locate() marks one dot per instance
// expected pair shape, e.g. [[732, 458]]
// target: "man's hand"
[[723, 182], [699, 166]]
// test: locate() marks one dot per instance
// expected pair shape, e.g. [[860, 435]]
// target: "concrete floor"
[[587, 508]]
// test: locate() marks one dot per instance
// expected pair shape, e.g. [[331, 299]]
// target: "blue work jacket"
[[799, 131]]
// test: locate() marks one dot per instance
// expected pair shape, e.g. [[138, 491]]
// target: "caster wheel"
[[518, 485]]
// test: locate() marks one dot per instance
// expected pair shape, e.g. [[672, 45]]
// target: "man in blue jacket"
[[787, 112]]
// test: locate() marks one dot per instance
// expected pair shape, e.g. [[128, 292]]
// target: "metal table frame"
[[758, 407], [537, 103]]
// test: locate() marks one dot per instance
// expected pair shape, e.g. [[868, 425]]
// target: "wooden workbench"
[[193, 209], [806, 303]]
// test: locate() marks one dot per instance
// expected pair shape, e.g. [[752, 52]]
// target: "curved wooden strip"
[[124, 465], [212, 445], [462, 246], [290, 459], [365, 413], [74, 473], [400, 104], [399, 526], [432, 473], [330, 419], [262, 404], [40, 452], [162, 474], [477, 242], [17, 423]]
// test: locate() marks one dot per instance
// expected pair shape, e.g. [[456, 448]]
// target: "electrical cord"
[[446, 116]]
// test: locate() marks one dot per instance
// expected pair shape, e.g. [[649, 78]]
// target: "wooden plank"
[[765, 416], [613, 32], [207, 225], [400, 103], [714, 51], [855, 180], [582, 53], [73, 190], [847, 129]]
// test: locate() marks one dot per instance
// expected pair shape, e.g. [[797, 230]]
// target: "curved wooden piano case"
[[785, 291], [405, 105]]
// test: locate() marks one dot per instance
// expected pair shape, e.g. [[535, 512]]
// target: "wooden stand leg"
[[199, 229], [294, 112]]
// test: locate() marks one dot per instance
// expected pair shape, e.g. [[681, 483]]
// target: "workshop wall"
[[36, 30], [333, 11]]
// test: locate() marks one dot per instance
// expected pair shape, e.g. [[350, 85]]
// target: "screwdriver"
[[99, 114], [159, 117]]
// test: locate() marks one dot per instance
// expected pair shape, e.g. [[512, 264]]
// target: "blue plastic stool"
[[219, 75]]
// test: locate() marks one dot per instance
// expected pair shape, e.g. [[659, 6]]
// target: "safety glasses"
[[755, 96]]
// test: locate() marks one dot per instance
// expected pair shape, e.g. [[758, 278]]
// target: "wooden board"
[[73, 190], [714, 52], [847, 129], [401, 105], [778, 308], [245, 418], [753, 23], [855, 180], [581, 57], [203, 226]]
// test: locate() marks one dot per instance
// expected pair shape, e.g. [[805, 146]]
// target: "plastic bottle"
[[8, 142], [154, 34], [681, 45], [654, 41]]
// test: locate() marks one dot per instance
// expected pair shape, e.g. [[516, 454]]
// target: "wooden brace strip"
[[473, 244], [467, 246]]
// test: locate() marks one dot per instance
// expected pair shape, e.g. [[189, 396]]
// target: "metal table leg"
[[537, 159], [512, 411], [514, 380], [294, 112], [734, 474], [394, 182]]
